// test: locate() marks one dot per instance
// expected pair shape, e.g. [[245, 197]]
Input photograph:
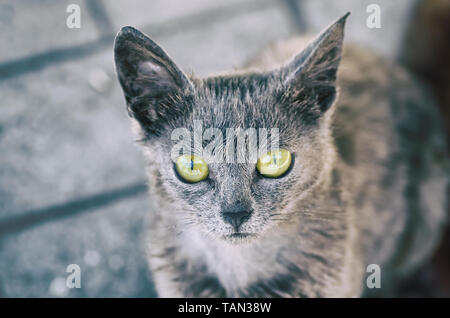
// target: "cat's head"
[[222, 195]]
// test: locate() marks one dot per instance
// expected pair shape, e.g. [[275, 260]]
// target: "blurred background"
[[72, 182]]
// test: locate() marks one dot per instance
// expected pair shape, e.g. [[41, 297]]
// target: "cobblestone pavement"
[[72, 188]]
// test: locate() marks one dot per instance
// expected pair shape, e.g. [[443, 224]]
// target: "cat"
[[366, 183]]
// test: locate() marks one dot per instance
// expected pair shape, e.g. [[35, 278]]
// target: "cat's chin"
[[239, 238]]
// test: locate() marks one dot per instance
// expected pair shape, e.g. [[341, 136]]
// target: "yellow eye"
[[274, 163], [192, 168]]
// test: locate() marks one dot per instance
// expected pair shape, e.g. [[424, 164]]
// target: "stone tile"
[[64, 134], [224, 46], [385, 41], [107, 244], [29, 27], [140, 13]]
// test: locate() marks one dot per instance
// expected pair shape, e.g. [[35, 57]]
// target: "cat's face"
[[234, 201], [238, 187]]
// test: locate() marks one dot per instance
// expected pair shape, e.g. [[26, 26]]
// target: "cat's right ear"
[[147, 75]]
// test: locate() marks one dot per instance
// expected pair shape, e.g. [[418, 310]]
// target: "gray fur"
[[367, 184]]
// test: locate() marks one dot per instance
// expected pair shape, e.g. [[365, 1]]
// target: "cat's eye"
[[275, 163], [191, 168]]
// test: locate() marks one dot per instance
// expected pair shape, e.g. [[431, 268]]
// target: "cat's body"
[[367, 185]]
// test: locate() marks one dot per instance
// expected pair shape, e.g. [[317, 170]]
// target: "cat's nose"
[[236, 218]]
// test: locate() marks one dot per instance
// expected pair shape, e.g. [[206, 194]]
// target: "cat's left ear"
[[310, 78]]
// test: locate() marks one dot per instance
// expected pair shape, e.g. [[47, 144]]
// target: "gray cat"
[[366, 182]]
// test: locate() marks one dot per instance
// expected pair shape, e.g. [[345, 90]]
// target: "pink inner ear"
[[151, 79], [149, 68]]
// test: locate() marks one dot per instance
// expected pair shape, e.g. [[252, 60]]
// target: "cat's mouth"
[[239, 237]]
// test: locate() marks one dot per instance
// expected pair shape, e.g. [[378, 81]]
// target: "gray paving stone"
[[29, 27], [107, 244], [139, 13], [385, 41], [64, 134], [224, 46]]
